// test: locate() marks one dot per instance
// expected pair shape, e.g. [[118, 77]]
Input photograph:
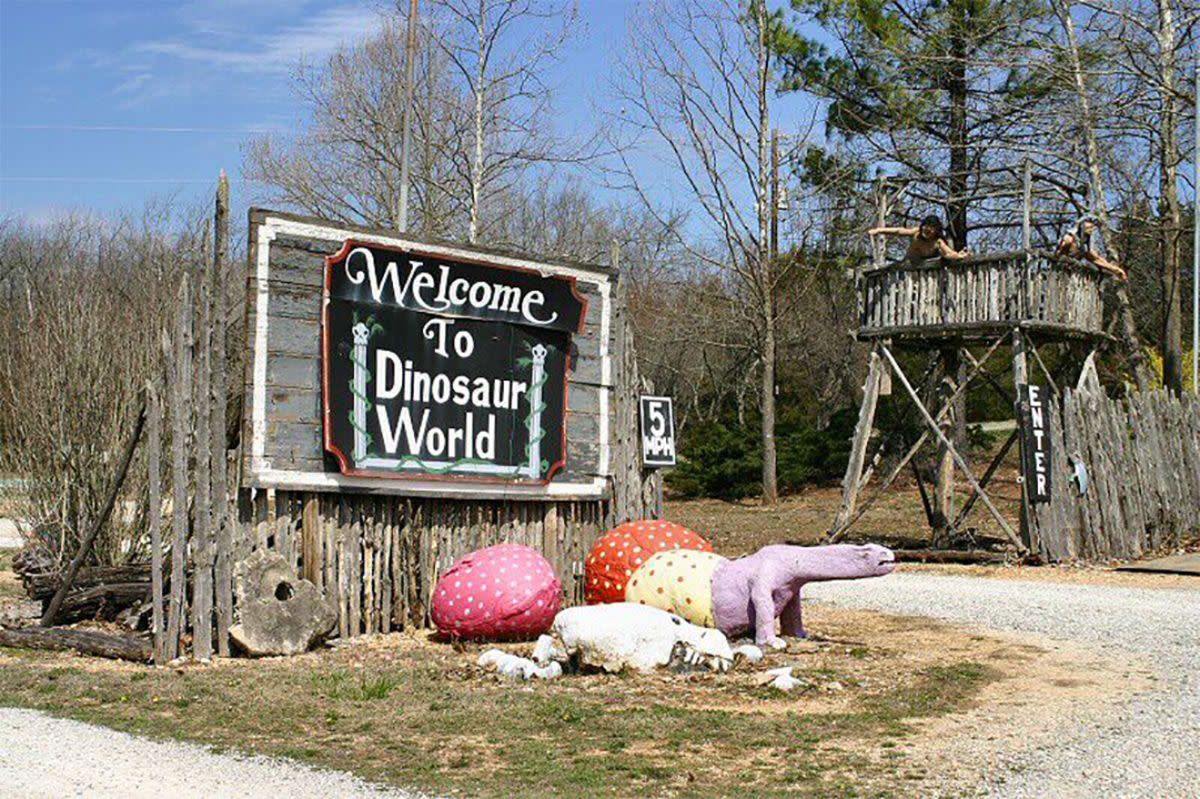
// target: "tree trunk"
[[956, 88], [1128, 328], [770, 487], [477, 160], [1169, 214]]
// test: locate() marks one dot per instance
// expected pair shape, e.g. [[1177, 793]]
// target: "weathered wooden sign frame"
[[284, 443]]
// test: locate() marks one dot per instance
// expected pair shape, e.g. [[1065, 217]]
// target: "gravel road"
[[1149, 748], [48, 758]]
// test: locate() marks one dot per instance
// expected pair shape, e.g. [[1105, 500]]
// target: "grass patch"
[[418, 715], [362, 687]]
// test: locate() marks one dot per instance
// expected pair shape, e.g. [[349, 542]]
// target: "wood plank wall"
[[378, 556], [293, 413], [1142, 456]]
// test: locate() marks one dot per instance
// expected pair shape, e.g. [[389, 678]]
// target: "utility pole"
[[774, 252], [1196, 248], [406, 142]]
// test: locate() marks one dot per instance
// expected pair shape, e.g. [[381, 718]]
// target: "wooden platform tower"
[[1019, 302]]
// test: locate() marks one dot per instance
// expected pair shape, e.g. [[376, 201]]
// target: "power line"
[[69, 179], [136, 128]]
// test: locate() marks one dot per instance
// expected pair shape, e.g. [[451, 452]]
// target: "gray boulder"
[[279, 614]]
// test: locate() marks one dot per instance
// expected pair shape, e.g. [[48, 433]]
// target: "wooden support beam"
[[991, 381], [837, 533], [933, 426], [862, 435], [1021, 376], [1038, 357], [987, 477], [1089, 379], [1026, 206], [943, 486], [924, 494], [885, 389]]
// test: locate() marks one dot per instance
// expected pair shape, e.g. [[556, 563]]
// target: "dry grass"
[[896, 518], [405, 711]]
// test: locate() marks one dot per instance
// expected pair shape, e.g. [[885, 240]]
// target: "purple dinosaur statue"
[[750, 592]]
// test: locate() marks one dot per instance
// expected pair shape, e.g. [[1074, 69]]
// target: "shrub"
[[723, 460]]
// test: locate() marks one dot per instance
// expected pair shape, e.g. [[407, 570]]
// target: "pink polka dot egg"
[[506, 592]]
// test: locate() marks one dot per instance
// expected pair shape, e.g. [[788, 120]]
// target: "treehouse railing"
[[976, 296]]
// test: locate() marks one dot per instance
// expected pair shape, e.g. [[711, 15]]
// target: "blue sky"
[[104, 103], [107, 103]]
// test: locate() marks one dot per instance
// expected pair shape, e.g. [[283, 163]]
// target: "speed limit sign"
[[658, 431]]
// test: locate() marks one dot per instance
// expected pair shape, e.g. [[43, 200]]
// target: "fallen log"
[[103, 601], [87, 642], [42, 585], [99, 591]]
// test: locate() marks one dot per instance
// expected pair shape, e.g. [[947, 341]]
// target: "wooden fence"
[[187, 405], [980, 294], [1142, 459], [378, 556]]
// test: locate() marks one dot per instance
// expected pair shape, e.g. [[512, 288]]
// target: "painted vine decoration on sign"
[[452, 369]]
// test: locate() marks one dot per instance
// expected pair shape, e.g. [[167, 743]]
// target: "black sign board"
[[1034, 407], [443, 368], [658, 431]]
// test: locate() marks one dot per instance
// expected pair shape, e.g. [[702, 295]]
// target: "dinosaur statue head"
[[840, 561]]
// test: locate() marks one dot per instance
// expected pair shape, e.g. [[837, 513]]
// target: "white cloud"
[[312, 38], [133, 84]]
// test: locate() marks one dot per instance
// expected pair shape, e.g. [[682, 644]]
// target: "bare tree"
[[1086, 126], [344, 164], [1151, 37], [81, 307], [696, 91], [483, 120], [499, 52]]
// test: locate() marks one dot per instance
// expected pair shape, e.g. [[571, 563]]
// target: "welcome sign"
[[445, 368]]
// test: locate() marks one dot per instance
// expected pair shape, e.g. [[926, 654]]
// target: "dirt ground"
[[897, 520], [888, 706]]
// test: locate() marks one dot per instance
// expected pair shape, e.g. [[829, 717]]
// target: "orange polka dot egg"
[[620, 551]]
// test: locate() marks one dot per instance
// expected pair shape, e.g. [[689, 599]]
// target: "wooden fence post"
[[154, 510], [202, 601], [222, 521], [181, 417]]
